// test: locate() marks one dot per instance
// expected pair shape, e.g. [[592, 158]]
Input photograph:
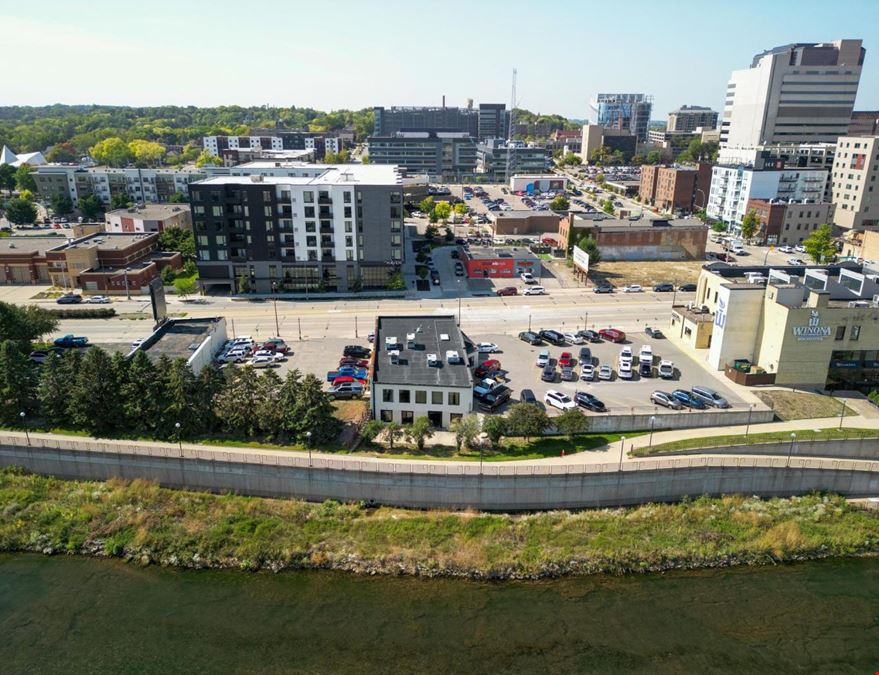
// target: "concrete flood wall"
[[494, 487], [856, 448], [667, 420]]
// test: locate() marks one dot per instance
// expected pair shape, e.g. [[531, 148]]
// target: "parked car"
[[663, 398], [585, 356], [530, 338], [568, 374], [346, 390], [494, 399], [612, 335], [43, 355], [566, 359], [137, 342], [588, 401], [573, 339], [68, 341], [785, 249], [795, 261], [276, 357], [553, 337], [687, 399], [508, 290], [664, 288], [558, 399], [69, 299], [487, 368], [487, 347], [633, 288], [626, 355], [357, 351], [625, 370], [97, 300], [434, 277], [646, 354], [666, 370], [590, 335], [262, 362], [655, 333], [605, 372], [527, 278], [587, 372], [710, 397], [535, 290], [645, 369], [687, 288], [603, 288], [543, 358], [276, 345], [527, 396], [548, 374]]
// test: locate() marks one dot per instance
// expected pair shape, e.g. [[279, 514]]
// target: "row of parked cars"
[[559, 338], [349, 380], [590, 369], [76, 298], [697, 398], [245, 350]]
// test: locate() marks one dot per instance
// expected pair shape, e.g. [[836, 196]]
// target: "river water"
[[76, 615]]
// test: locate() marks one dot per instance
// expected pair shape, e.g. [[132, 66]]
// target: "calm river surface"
[[75, 615]]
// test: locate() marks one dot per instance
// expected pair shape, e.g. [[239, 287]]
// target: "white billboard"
[[581, 259]]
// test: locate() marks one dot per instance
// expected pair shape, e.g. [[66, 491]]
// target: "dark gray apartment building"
[[301, 228]]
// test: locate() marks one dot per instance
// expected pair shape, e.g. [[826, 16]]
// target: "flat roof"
[[179, 338], [522, 213], [150, 211], [412, 367], [493, 253], [106, 241], [643, 222], [310, 174], [28, 245]]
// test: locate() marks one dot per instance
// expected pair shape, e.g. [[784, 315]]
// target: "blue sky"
[[340, 54]]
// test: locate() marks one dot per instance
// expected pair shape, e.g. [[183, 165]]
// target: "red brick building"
[[785, 223], [672, 188], [481, 263]]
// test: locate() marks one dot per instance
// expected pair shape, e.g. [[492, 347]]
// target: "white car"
[[137, 343], [97, 300], [646, 354], [274, 356], [799, 248], [666, 369], [626, 354], [785, 249], [262, 361], [559, 400], [543, 358], [535, 290], [587, 372], [487, 348], [605, 373], [573, 339], [625, 370], [528, 278], [633, 288], [795, 261]]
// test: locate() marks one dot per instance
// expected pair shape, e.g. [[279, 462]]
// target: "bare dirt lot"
[[647, 273]]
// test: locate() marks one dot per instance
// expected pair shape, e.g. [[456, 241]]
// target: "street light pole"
[[308, 443], [275, 300], [622, 447], [26, 432], [179, 442], [841, 412], [793, 439], [748, 425], [652, 422]]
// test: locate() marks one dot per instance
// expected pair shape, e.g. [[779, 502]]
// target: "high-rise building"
[[625, 112], [675, 188], [797, 93], [687, 118], [439, 154], [864, 123], [854, 182]]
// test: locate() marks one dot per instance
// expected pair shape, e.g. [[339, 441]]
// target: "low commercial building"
[[491, 158], [854, 180], [420, 368], [524, 222], [662, 239], [439, 154], [675, 188], [487, 262], [787, 223], [538, 183], [149, 218], [196, 340], [23, 259], [799, 326], [236, 156]]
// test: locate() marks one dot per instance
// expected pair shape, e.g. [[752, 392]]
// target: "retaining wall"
[[856, 448], [668, 419], [493, 487]]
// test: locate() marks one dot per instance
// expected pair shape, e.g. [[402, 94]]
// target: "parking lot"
[[619, 396]]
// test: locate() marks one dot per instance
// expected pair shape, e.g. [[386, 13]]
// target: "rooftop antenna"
[[509, 167]]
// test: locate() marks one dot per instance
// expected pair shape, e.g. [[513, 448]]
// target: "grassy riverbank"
[[144, 523]]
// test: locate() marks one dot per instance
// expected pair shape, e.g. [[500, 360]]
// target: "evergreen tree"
[[288, 399], [269, 415], [210, 383], [95, 401], [315, 409], [235, 406], [180, 391], [143, 395], [17, 382], [53, 391]]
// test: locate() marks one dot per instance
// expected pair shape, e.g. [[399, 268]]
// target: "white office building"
[[733, 186], [797, 93], [854, 181]]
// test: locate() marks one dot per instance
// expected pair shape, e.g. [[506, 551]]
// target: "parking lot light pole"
[[841, 412], [26, 432], [308, 444], [748, 425], [275, 300], [622, 448], [652, 422], [793, 439]]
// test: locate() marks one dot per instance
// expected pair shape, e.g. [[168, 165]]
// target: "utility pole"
[[509, 167]]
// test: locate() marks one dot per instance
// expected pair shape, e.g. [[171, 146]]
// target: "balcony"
[[325, 200], [325, 213]]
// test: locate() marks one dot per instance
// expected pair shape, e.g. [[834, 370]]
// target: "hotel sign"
[[814, 332], [581, 260]]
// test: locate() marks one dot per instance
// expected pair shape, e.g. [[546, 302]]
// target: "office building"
[[854, 182], [299, 228], [733, 186], [864, 123], [797, 93], [675, 188], [687, 118], [138, 185], [439, 154], [491, 158], [420, 368], [490, 120], [787, 223], [149, 218], [793, 326], [594, 137], [624, 112]]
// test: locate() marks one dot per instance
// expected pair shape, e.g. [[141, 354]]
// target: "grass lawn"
[[350, 411], [646, 273], [751, 439], [801, 405]]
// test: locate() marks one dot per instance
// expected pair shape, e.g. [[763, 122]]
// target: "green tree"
[[178, 239], [395, 282], [207, 159], [120, 201], [61, 205], [718, 226], [495, 427], [111, 151], [269, 414], [607, 206], [426, 205], [314, 410], [448, 235], [393, 432], [288, 398], [180, 390], [371, 429], [235, 406], [599, 178], [590, 246], [749, 225], [431, 232], [146, 153], [21, 211], [177, 198], [17, 382], [820, 245], [143, 395], [90, 206], [23, 178], [653, 157], [572, 422], [466, 431], [364, 159], [25, 323], [53, 391], [527, 420], [420, 430], [27, 195], [62, 152], [442, 210], [185, 286], [95, 404], [7, 177], [559, 204], [460, 208]]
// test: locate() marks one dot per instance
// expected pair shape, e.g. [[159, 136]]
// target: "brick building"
[[671, 239], [482, 263], [788, 223], [675, 188], [149, 218], [524, 222]]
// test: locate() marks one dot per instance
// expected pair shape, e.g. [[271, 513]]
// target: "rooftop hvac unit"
[[390, 343], [453, 357], [410, 340], [444, 337], [859, 303], [432, 360], [394, 356]]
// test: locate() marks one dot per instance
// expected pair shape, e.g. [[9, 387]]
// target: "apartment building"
[[864, 123], [687, 118], [675, 188], [139, 185], [732, 187], [854, 183], [624, 112], [276, 139], [787, 223], [298, 227], [149, 218], [236, 156], [439, 154], [796, 93], [491, 158]]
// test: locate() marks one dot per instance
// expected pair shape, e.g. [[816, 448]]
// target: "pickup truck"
[[493, 399], [71, 341]]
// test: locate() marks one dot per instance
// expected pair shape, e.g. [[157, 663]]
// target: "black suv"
[[356, 351], [590, 335], [585, 356], [664, 288], [553, 337], [645, 369], [588, 401], [494, 399], [548, 373], [687, 288], [530, 338]]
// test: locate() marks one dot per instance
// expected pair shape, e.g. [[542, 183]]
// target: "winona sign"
[[813, 331]]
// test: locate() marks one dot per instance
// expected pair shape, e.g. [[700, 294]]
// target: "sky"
[[340, 54]]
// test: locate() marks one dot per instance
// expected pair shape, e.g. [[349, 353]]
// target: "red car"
[[275, 347], [354, 363], [612, 335], [509, 290], [487, 368], [566, 359]]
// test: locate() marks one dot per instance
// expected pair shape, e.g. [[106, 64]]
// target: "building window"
[[856, 333], [386, 415], [308, 197], [346, 197], [405, 396], [420, 396], [217, 210], [436, 397], [387, 395], [454, 398], [840, 333], [407, 416]]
